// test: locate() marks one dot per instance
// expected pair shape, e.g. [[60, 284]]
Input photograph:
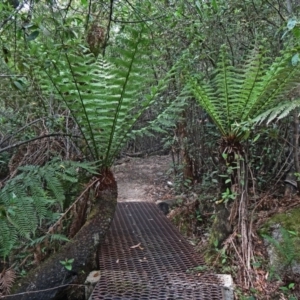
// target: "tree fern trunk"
[[51, 279], [221, 227]]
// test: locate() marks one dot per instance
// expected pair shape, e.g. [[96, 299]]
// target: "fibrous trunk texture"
[[51, 280]]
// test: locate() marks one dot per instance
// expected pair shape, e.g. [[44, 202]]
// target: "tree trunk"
[[187, 168], [51, 280], [296, 149], [221, 227]]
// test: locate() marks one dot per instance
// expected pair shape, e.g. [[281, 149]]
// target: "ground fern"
[[285, 246], [27, 199]]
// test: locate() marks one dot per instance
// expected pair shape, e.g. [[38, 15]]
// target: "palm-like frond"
[[240, 94], [253, 71], [225, 87], [278, 112], [280, 77], [105, 98], [209, 100]]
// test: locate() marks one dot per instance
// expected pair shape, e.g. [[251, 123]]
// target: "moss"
[[288, 220], [221, 228]]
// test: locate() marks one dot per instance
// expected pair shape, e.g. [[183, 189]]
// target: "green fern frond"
[[21, 215], [105, 97], [166, 119], [254, 69], [280, 77], [278, 112], [224, 82], [8, 237], [28, 198], [52, 237], [72, 167], [55, 187], [208, 99], [240, 94], [58, 237]]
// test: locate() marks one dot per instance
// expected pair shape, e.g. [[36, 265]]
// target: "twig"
[[34, 139], [22, 128], [59, 220], [45, 290], [137, 22], [243, 263], [111, 7], [12, 76]]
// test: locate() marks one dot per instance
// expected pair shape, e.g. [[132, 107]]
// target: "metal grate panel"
[[145, 257]]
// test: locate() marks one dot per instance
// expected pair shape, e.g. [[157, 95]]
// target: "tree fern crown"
[[105, 96], [239, 94]]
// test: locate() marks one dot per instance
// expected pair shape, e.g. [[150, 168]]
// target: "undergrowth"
[[30, 203]]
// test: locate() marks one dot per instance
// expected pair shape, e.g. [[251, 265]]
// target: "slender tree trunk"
[[289, 7], [184, 154], [296, 147]]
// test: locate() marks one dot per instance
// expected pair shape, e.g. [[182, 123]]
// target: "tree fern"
[[105, 96], [239, 94], [235, 96]]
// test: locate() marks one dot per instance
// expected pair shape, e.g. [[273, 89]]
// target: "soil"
[[143, 179]]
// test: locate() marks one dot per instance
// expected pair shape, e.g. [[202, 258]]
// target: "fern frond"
[[7, 278], [278, 112], [105, 97], [278, 80], [54, 186], [27, 199], [58, 237], [225, 89], [8, 237], [241, 94], [252, 72], [208, 99], [166, 119]]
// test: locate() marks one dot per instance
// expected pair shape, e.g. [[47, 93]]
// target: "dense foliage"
[[86, 81]]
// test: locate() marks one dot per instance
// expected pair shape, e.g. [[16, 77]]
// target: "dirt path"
[[143, 179]]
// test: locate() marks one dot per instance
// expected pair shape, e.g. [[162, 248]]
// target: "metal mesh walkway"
[[145, 257]]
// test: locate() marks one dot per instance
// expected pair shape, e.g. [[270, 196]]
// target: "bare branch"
[[36, 138]]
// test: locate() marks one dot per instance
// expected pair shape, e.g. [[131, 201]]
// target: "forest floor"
[[152, 179], [143, 179]]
